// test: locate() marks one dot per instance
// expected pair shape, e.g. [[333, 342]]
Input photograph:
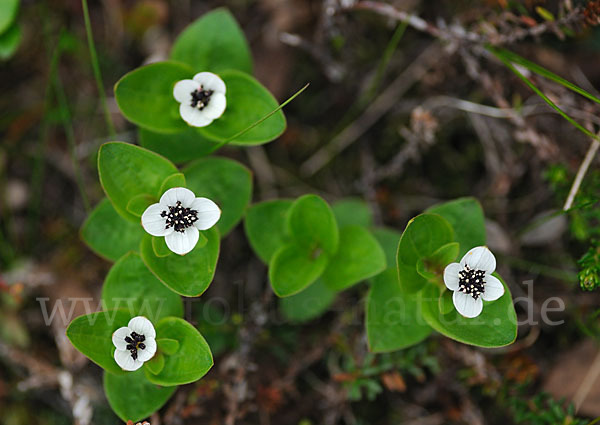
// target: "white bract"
[[202, 98], [471, 281], [178, 216], [135, 343]]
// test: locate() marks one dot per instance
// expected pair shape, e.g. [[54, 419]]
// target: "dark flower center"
[[134, 342], [179, 218], [200, 98], [471, 281]]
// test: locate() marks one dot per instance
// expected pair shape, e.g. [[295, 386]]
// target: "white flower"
[[471, 281], [202, 99], [178, 216], [135, 343]]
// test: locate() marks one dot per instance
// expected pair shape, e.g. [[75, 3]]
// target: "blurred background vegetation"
[[401, 116]]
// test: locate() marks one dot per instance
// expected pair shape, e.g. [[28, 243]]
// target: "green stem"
[[70, 135], [235, 136], [96, 68]]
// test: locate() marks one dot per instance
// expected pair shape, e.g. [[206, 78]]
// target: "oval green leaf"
[[145, 96], [132, 397], [269, 215], [191, 361], [496, 326], [308, 304], [224, 181], [127, 171], [130, 286], [352, 212], [312, 225], [214, 42], [178, 147], [174, 180], [293, 268], [465, 215], [8, 13], [188, 275], [108, 234], [423, 235], [393, 318], [92, 335], [248, 101], [358, 257]]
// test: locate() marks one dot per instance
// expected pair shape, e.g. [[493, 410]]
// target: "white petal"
[[181, 194], [142, 326], [480, 258], [208, 213], [466, 305], [118, 337], [493, 288], [183, 242], [182, 92], [216, 106], [193, 116], [153, 223], [126, 362], [148, 352], [210, 81], [451, 276]]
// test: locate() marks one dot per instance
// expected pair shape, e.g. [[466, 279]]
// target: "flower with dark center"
[[472, 282], [134, 343], [179, 216], [202, 99]]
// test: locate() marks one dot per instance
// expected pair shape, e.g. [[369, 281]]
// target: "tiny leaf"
[[167, 345], [138, 204], [174, 180]]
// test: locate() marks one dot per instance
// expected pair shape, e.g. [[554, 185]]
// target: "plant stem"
[[96, 68], [68, 128]]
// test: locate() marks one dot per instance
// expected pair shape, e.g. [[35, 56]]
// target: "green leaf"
[[496, 326], [247, 102], [108, 234], [434, 265], [312, 225], [145, 96], [307, 304], [445, 303], [156, 364], [8, 13], [269, 215], [388, 240], [130, 286], [10, 41], [423, 235], [174, 180], [160, 248], [92, 335], [168, 346], [465, 215], [188, 275], [132, 397], [224, 181], [138, 204], [393, 318], [178, 147], [190, 362], [293, 268], [358, 257], [214, 42], [127, 171], [352, 212]]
